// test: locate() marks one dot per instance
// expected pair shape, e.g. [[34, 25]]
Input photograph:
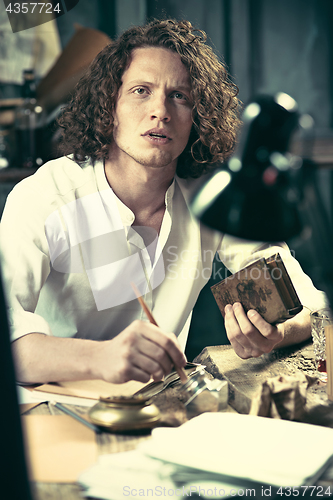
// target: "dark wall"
[[268, 45]]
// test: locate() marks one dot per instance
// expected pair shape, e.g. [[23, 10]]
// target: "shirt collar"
[[126, 214], [169, 195]]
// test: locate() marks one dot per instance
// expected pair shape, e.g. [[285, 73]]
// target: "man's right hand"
[[139, 352]]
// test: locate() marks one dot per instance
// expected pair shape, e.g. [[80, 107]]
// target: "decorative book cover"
[[265, 286]]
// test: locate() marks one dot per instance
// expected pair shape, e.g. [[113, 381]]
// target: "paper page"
[[24, 395], [117, 475], [132, 474], [91, 389], [27, 396], [58, 448], [271, 451]]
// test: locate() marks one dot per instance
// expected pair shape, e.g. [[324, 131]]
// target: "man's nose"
[[160, 108]]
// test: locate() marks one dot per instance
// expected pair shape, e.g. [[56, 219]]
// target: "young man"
[[155, 111]]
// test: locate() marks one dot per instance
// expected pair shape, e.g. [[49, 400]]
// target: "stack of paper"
[[215, 453], [122, 475]]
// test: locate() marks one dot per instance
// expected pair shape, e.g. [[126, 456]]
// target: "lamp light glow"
[[251, 111], [211, 190], [285, 101]]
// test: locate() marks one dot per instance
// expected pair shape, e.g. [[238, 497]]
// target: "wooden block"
[[245, 377]]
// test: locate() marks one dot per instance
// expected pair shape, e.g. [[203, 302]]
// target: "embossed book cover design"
[[264, 286]]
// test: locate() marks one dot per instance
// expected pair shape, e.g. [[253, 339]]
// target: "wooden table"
[[244, 378], [171, 405]]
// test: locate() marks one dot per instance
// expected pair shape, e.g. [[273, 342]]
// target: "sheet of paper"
[[266, 450], [91, 389], [58, 448], [131, 474], [24, 395], [125, 474], [27, 396]]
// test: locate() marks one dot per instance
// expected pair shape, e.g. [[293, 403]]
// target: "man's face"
[[152, 119]]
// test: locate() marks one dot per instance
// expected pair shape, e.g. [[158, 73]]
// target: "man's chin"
[[157, 161]]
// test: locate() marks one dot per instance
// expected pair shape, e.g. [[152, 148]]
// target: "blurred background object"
[[36, 48], [29, 112], [55, 88], [29, 123]]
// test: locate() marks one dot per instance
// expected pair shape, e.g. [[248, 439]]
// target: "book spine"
[[283, 282]]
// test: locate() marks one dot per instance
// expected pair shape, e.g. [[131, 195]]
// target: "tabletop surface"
[[244, 378]]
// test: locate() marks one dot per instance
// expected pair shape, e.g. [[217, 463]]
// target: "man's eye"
[[139, 91], [179, 95]]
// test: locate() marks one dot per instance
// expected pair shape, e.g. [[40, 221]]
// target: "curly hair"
[[87, 121]]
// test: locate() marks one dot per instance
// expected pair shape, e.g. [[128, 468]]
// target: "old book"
[[264, 286]]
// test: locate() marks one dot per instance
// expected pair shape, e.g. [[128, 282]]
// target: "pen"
[[76, 416], [181, 372]]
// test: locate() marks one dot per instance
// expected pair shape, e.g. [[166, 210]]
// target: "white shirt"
[[70, 252]]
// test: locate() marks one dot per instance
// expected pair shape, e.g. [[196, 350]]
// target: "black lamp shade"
[[256, 195]]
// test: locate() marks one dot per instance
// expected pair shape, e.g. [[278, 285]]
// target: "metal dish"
[[124, 413]]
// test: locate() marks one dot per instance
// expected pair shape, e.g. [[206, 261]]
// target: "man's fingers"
[[149, 366], [152, 350], [249, 329], [234, 331], [155, 356], [139, 375], [136, 365], [249, 334], [269, 332], [168, 342]]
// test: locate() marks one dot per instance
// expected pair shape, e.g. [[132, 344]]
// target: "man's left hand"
[[249, 334]]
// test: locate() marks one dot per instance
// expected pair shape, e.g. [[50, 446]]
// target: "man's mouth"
[[157, 134], [152, 134]]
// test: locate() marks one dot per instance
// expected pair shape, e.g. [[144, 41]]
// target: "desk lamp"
[[255, 196], [264, 193]]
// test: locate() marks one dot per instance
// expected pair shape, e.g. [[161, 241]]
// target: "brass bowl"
[[124, 413]]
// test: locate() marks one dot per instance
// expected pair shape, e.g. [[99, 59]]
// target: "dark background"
[[268, 45]]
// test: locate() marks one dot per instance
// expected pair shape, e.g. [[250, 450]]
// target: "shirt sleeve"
[[236, 254], [25, 261]]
